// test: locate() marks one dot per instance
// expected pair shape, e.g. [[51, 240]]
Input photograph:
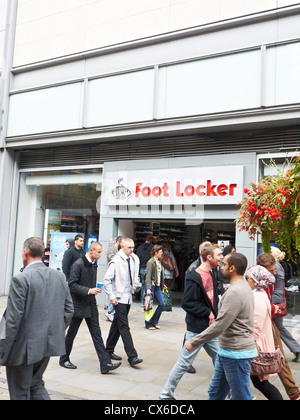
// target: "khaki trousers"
[[285, 375]]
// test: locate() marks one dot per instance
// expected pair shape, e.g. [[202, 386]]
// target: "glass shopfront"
[[182, 238], [56, 205]]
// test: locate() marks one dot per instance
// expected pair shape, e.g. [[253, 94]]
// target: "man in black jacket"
[[144, 254], [82, 283], [200, 301], [72, 255]]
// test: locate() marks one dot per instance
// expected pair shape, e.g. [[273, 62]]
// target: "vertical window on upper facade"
[[218, 84], [50, 109], [283, 74], [120, 98]]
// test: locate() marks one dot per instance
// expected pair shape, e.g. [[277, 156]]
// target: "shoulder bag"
[[282, 310], [268, 363]]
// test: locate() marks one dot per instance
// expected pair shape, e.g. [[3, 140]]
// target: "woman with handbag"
[[154, 285], [259, 279]]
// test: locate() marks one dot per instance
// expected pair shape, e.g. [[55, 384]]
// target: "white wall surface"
[[3, 15], [54, 28]]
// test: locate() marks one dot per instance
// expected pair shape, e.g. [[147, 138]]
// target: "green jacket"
[[151, 274]]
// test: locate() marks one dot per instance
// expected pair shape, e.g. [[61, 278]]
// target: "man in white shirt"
[[122, 272], [111, 252]]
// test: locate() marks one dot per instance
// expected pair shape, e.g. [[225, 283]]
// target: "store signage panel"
[[206, 185]]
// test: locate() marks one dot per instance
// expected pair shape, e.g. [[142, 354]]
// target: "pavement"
[[159, 349]]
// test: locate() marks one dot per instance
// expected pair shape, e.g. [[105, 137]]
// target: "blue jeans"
[[111, 308], [143, 281], [230, 374], [184, 361], [157, 293]]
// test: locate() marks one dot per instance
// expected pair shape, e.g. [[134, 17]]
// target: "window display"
[[56, 206]]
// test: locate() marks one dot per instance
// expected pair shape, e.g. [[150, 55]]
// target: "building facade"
[[133, 117]]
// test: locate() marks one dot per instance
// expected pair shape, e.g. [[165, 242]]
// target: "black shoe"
[[191, 369], [68, 365], [113, 356], [296, 358], [110, 366], [135, 361]]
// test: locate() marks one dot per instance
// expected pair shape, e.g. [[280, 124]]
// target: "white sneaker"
[[110, 317]]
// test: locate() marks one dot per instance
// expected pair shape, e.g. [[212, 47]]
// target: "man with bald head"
[[82, 283], [122, 273]]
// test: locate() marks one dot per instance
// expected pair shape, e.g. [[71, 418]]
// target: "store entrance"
[[183, 239]]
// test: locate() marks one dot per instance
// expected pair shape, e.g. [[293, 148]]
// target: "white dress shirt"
[[109, 283]]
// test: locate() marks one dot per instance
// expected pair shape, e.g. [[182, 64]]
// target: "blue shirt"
[[244, 354]]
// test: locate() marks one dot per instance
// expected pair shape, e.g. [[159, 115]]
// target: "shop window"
[[283, 74], [50, 109], [55, 206], [120, 98], [269, 166], [209, 85]]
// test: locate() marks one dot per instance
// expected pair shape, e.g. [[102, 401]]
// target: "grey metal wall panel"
[[259, 141]]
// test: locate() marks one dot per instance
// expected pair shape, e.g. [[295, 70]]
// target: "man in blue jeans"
[[200, 301], [234, 327]]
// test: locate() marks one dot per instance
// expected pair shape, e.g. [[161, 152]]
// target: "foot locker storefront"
[[181, 202]]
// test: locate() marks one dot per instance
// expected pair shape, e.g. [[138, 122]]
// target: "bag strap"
[[274, 335], [274, 332], [283, 291]]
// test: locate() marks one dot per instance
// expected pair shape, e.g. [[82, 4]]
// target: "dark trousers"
[[94, 328], [25, 382], [267, 389], [120, 327]]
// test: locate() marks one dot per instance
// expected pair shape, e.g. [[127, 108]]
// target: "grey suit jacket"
[[39, 308]]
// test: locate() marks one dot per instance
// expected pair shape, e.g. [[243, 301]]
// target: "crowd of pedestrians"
[[233, 311]]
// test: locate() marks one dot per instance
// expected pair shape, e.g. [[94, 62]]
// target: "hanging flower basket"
[[271, 209]]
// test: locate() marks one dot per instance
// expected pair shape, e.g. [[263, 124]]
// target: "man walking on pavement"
[[39, 309], [118, 281], [234, 326], [72, 255], [144, 254], [200, 301], [82, 283], [111, 252]]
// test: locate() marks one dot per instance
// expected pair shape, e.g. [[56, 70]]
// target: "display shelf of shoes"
[[163, 232]]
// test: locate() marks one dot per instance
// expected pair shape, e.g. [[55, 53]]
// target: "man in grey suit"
[[39, 308]]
